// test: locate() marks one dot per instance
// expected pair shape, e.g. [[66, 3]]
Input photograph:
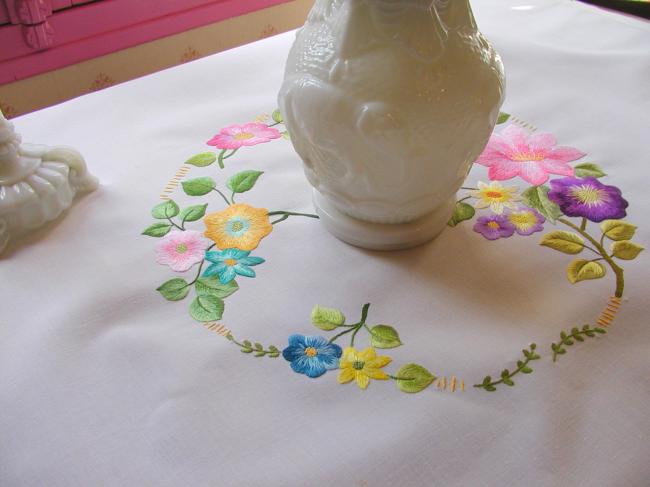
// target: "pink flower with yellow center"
[[181, 250], [495, 196], [514, 152], [236, 136]]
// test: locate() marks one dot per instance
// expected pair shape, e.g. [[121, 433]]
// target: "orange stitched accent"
[[217, 328], [174, 182], [521, 123], [452, 384], [609, 313]]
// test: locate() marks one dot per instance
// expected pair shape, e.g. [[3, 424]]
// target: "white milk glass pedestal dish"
[[388, 103], [37, 183]]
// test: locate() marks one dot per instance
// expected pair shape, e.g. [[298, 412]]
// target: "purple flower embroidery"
[[526, 221], [589, 198], [493, 227]]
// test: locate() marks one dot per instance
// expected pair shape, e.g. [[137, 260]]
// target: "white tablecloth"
[[105, 383]]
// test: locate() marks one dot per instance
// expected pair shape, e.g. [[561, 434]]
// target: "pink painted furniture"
[[41, 35]]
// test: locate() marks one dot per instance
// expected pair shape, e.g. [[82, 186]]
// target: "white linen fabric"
[[104, 383]]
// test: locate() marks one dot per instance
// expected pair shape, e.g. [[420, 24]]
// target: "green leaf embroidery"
[[502, 118], [414, 378], [567, 339], [192, 213], [207, 308], [213, 287], [581, 270], [166, 209], [277, 116], [202, 160], [243, 181], [462, 212], [158, 230], [626, 250], [247, 347], [617, 229], [589, 169], [567, 242], [174, 289], [326, 319], [198, 186], [384, 336], [506, 376], [537, 197], [285, 135]]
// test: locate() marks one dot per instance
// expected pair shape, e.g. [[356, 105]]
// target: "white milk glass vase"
[[388, 103]]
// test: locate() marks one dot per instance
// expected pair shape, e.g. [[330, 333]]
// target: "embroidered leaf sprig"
[[506, 376], [174, 289], [413, 378], [588, 169], [202, 160], [462, 212], [568, 339], [257, 349], [243, 181], [198, 186], [537, 197], [502, 118]]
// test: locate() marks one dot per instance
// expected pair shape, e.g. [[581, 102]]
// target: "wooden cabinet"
[[37, 36]]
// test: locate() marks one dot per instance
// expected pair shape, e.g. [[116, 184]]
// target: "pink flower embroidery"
[[181, 250], [514, 152], [236, 136]]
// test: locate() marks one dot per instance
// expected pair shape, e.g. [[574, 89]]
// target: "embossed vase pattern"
[[389, 102]]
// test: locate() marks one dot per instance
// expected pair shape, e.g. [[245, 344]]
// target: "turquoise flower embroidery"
[[230, 262]]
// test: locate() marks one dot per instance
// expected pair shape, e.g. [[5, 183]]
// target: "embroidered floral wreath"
[[558, 193]]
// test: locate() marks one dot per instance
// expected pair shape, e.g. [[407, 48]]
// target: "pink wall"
[[86, 31]]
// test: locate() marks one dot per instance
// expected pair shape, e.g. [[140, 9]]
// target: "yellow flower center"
[[494, 194], [493, 225], [230, 262], [181, 248], [358, 365], [243, 136], [527, 156], [311, 352], [523, 219], [237, 226], [588, 194]]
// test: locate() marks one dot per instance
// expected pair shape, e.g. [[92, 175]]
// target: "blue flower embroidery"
[[312, 355], [230, 262]]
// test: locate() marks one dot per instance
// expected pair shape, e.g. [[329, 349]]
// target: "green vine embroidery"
[[257, 349], [567, 339], [234, 232], [506, 376]]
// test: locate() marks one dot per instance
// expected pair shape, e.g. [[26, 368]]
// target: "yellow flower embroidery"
[[495, 196], [362, 366], [239, 226]]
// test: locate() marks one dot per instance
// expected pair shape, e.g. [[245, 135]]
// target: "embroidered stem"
[[257, 349], [506, 375], [222, 195], [274, 124], [354, 329], [577, 335], [223, 157], [618, 271], [291, 213], [175, 225], [198, 273]]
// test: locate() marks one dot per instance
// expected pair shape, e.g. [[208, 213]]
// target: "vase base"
[[382, 236]]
